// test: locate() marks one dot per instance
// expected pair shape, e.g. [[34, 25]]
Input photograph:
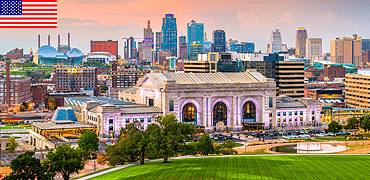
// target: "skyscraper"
[[182, 39], [169, 34], [158, 41], [195, 37], [346, 50], [300, 42], [276, 43], [313, 47], [129, 48], [148, 43], [219, 40]]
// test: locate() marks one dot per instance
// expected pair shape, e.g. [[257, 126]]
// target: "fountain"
[[310, 148]]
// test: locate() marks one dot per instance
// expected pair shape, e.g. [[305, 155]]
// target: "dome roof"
[[50, 52], [47, 51]]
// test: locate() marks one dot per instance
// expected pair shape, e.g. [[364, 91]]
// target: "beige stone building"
[[212, 100], [313, 47], [357, 89], [346, 50]]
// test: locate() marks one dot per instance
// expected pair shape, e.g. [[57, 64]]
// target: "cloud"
[[76, 22], [286, 19]]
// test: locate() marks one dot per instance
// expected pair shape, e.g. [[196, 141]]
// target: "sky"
[[244, 20]]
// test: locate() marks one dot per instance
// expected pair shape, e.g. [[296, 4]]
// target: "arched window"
[[189, 113], [249, 112], [219, 113]]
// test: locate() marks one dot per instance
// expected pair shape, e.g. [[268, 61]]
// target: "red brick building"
[[104, 46], [59, 97], [14, 90], [332, 72], [15, 54], [310, 73], [39, 93]]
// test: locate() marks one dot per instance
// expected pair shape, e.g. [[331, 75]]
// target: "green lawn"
[[338, 138], [251, 167], [15, 127]]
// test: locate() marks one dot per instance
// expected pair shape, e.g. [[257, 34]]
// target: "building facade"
[[313, 47], [49, 56], [169, 35], [243, 47], [346, 50], [276, 43], [300, 42], [183, 51], [195, 37], [219, 41], [290, 78], [100, 57], [148, 44], [39, 93], [75, 79], [213, 100], [356, 91], [297, 113], [15, 54], [104, 46]]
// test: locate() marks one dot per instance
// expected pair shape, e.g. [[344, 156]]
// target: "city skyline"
[[247, 21]]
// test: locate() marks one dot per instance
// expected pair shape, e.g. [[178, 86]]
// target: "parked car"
[[285, 134], [276, 133], [289, 133], [254, 134], [330, 134], [215, 138], [211, 136]]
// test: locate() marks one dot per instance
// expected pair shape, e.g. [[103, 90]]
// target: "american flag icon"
[[28, 13]]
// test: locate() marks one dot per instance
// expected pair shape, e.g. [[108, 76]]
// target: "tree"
[[27, 167], [12, 144], [206, 145], [25, 105], [168, 135], [334, 127], [131, 147], [89, 142], [22, 108], [102, 159], [52, 103], [66, 160], [353, 123], [228, 147], [365, 123]]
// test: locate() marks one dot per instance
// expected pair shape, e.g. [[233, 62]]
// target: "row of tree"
[[356, 123], [164, 139], [64, 160], [352, 123]]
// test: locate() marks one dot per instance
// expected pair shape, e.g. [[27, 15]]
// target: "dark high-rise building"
[[183, 54], [365, 44], [242, 47], [158, 41], [182, 39], [129, 48], [195, 34], [169, 34], [219, 41]]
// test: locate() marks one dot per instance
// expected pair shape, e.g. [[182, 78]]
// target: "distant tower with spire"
[[148, 44]]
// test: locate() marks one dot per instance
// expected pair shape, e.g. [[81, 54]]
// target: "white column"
[[204, 109], [234, 110]]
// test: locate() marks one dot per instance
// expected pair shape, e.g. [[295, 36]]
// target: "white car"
[[211, 136]]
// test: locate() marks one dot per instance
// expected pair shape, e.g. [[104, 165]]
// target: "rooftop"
[[104, 100], [64, 114]]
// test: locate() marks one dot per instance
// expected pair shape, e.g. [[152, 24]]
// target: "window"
[[151, 102], [313, 118], [290, 113], [134, 119], [127, 120], [301, 118], [149, 119], [141, 119], [110, 121], [313, 112], [284, 113], [110, 128], [295, 113], [270, 114], [271, 102], [278, 113], [301, 113], [171, 105], [278, 119]]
